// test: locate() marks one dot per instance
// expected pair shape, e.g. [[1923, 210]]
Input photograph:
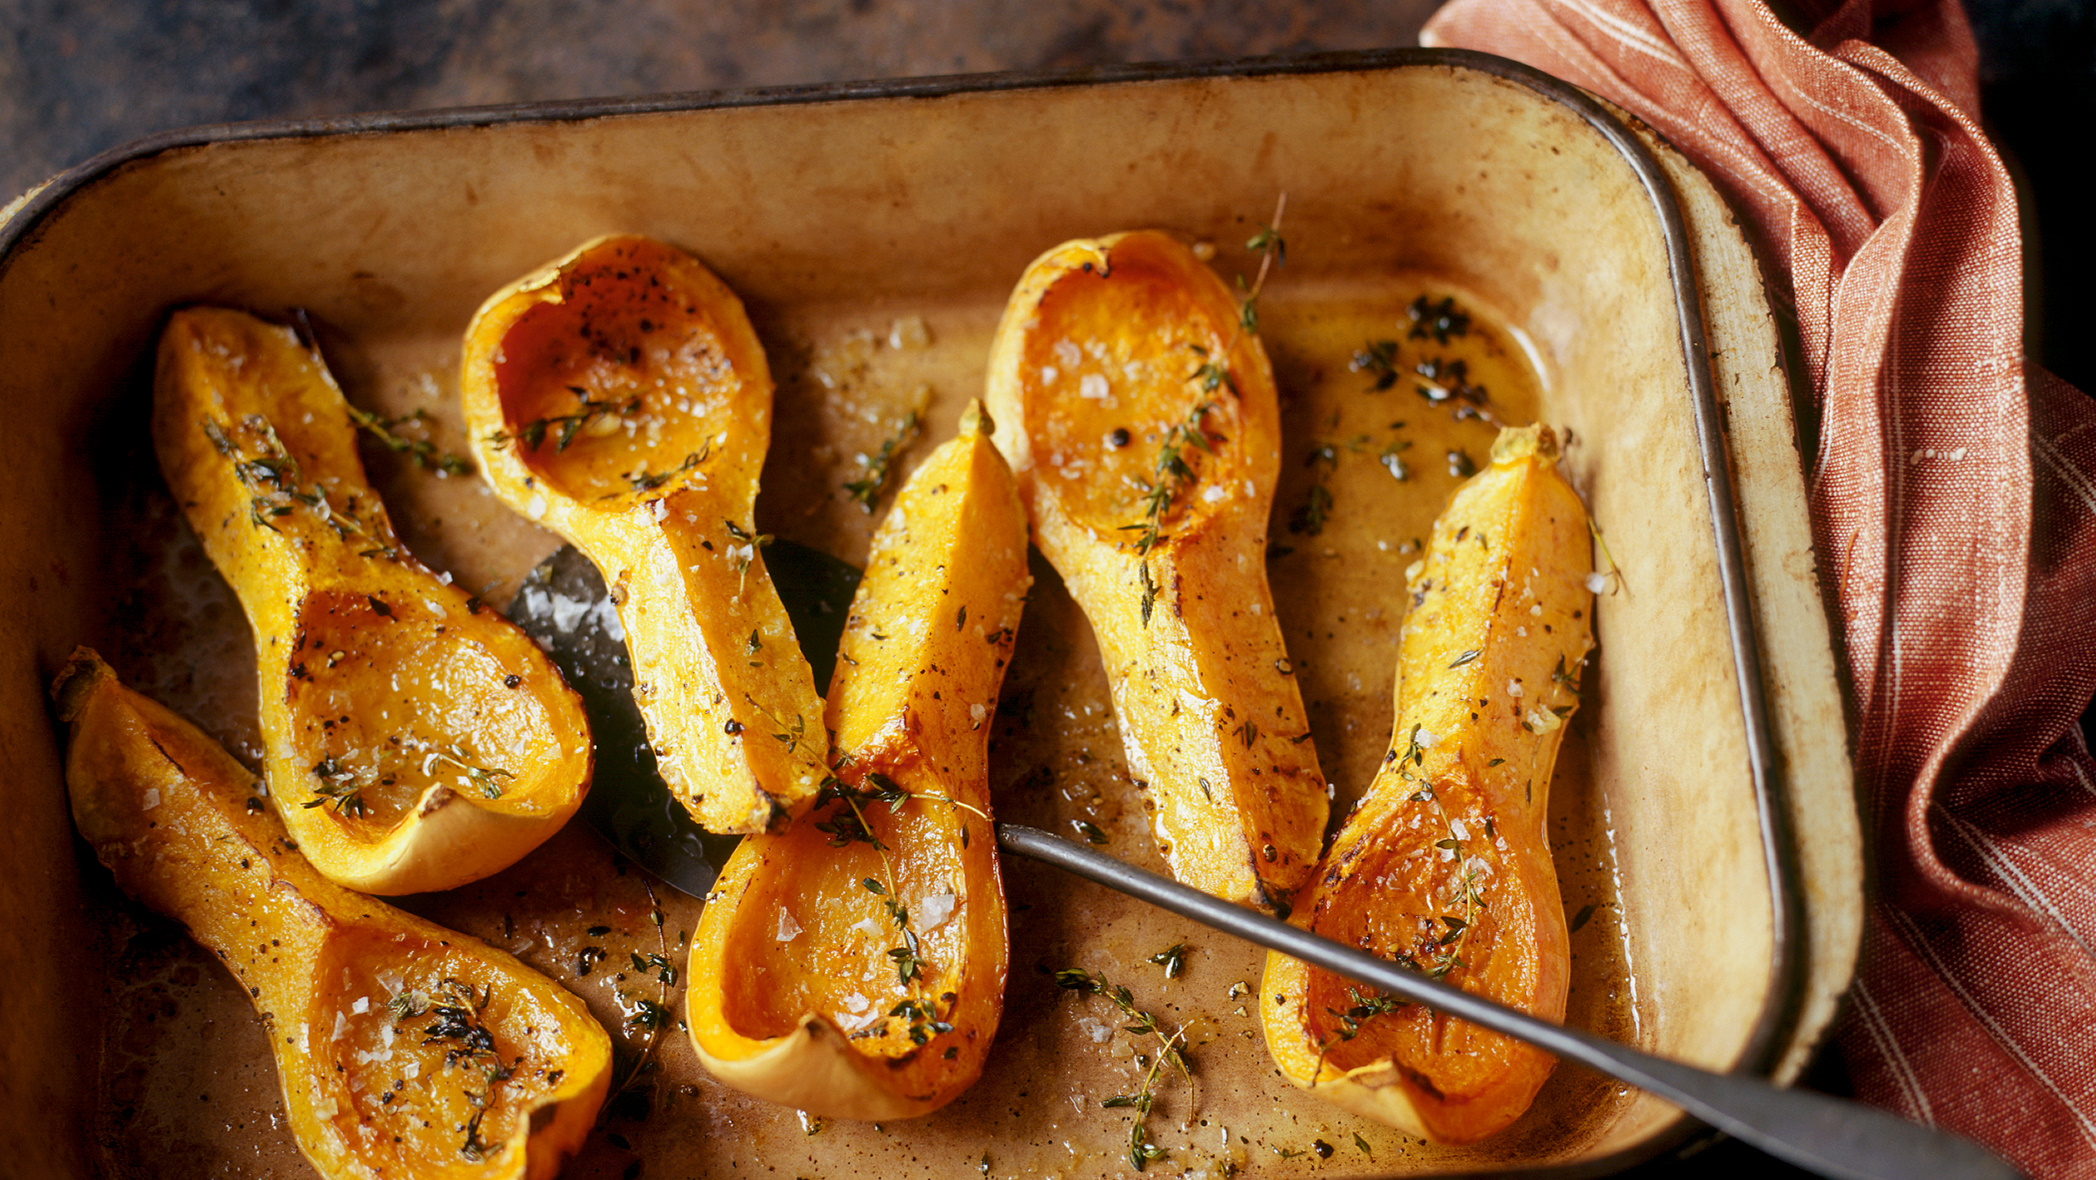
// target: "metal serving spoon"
[[1831, 1136], [563, 604]]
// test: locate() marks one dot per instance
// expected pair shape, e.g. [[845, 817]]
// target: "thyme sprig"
[[564, 427], [455, 1020], [1272, 249], [644, 480], [1614, 573], [1448, 949], [650, 1015], [1172, 473], [423, 452], [1366, 1006], [656, 1014], [789, 736], [482, 777], [277, 485], [340, 787], [867, 488], [745, 554], [848, 826], [922, 1016], [1171, 1052]]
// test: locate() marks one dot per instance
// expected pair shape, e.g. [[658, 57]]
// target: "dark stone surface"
[[77, 79]]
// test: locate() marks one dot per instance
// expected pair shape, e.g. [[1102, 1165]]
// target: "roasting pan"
[[1705, 820]]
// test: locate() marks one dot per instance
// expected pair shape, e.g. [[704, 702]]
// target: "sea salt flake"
[[935, 909]]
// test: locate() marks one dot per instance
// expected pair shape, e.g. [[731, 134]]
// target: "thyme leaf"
[[455, 1021], [644, 480], [867, 488], [423, 452], [340, 788], [1173, 473], [1440, 320], [1172, 959], [847, 826], [277, 485], [1171, 1053], [1377, 358], [482, 777], [564, 427]]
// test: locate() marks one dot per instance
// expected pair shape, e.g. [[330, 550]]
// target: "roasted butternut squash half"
[[415, 740], [404, 1049], [620, 398], [1142, 424], [1445, 864], [853, 964]]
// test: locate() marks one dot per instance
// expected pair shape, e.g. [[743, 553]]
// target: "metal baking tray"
[[1705, 820]]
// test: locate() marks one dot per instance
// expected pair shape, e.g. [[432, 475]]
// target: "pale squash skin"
[[465, 747], [1097, 359], [913, 697], [176, 819], [657, 484], [1500, 603]]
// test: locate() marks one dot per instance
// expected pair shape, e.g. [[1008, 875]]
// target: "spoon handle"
[[1827, 1135]]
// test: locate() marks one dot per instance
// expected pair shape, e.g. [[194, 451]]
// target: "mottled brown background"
[[77, 79]]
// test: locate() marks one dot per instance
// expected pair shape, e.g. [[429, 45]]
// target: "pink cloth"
[[1954, 505]]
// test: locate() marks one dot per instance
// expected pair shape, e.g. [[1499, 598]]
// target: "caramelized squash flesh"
[[404, 1049], [853, 965], [415, 739], [1445, 866], [621, 398], [1143, 426], [377, 675]]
